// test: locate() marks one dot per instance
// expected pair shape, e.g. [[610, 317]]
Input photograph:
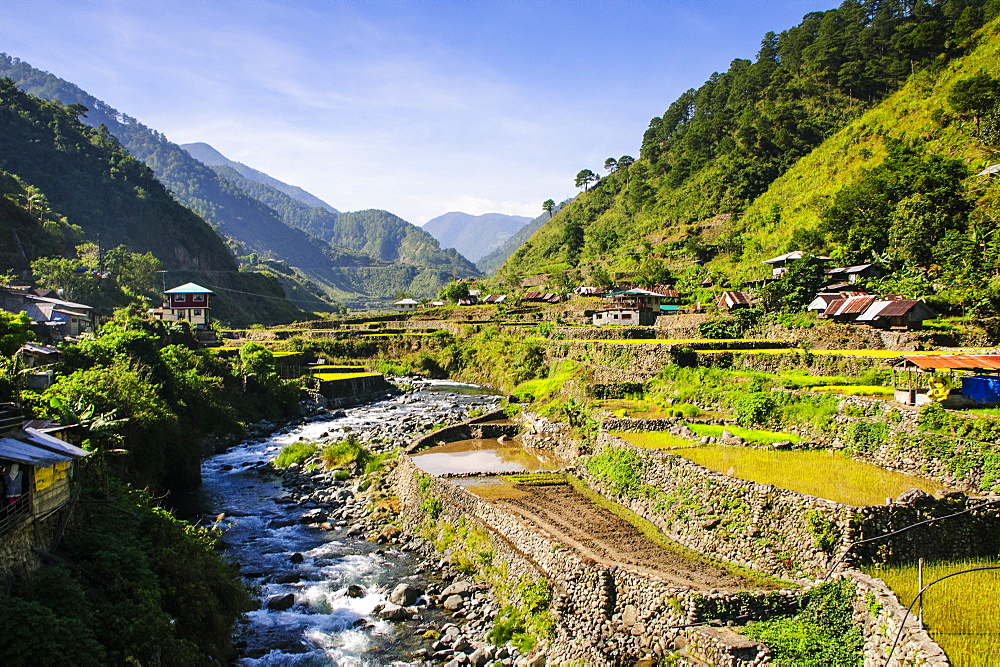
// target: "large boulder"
[[916, 498], [454, 602], [405, 594], [280, 602], [462, 588], [394, 612]]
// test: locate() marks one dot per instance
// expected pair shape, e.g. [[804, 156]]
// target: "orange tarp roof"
[[967, 362]]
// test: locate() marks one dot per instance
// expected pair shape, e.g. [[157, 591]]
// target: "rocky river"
[[336, 585]]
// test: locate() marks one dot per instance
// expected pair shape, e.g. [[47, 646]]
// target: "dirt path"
[[598, 534]]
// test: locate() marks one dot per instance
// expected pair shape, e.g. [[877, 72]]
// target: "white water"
[[320, 629]]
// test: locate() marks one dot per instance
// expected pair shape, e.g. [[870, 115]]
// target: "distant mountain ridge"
[[209, 156], [242, 208], [62, 183], [474, 235]]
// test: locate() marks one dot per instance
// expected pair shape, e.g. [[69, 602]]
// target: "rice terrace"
[[687, 356]]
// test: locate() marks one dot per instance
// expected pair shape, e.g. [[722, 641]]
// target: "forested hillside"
[[64, 184], [209, 156], [257, 230], [474, 236], [700, 189], [492, 261]]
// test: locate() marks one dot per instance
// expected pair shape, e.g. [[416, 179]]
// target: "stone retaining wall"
[[17, 546], [470, 428], [605, 615], [879, 614], [347, 391], [755, 525], [612, 616]]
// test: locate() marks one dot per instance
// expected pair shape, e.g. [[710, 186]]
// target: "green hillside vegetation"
[[213, 158], [63, 184], [492, 261], [375, 255], [85, 175], [245, 212], [712, 167]]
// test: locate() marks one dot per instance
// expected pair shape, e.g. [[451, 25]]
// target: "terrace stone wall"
[[755, 525], [794, 535], [471, 428], [879, 614], [604, 615]]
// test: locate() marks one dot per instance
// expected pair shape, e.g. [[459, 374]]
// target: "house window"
[[199, 298], [626, 316], [196, 311]]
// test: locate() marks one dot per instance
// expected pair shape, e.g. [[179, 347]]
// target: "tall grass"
[[822, 473], [960, 613]]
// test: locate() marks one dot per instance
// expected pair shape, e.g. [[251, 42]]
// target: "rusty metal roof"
[[897, 308], [966, 362], [854, 305], [736, 297]]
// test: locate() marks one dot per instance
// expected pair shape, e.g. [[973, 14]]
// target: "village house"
[[779, 264], [851, 274], [635, 306], [733, 299], [406, 305], [188, 303], [52, 319], [897, 314], [36, 481]]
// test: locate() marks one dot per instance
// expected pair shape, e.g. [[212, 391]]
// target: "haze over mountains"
[[474, 235], [208, 155]]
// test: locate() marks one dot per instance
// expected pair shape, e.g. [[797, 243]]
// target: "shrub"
[[296, 452], [821, 634], [619, 468], [754, 408], [866, 436]]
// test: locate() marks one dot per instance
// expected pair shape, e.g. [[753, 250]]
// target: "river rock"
[[388, 534], [454, 602], [405, 594], [462, 588], [280, 602], [356, 591], [394, 612], [296, 558], [288, 578], [480, 656]]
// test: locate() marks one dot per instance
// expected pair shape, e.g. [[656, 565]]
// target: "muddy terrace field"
[[597, 533]]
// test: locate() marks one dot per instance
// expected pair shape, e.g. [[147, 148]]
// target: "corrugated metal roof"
[[189, 288], [856, 305], [899, 307], [875, 311], [54, 444], [967, 362], [30, 455], [833, 307]]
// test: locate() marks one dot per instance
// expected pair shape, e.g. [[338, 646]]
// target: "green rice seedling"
[[823, 473], [960, 613], [655, 440], [750, 434], [856, 390]]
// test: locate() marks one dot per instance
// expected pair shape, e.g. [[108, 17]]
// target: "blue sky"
[[419, 107]]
